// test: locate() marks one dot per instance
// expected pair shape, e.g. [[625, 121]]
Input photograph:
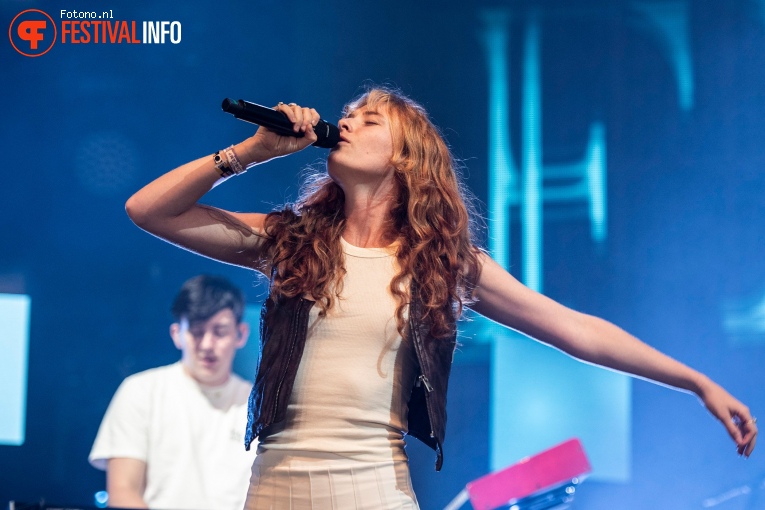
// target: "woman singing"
[[369, 272]]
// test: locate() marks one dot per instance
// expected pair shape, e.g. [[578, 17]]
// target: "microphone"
[[328, 134]]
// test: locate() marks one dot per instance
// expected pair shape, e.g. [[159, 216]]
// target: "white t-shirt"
[[356, 374], [191, 437]]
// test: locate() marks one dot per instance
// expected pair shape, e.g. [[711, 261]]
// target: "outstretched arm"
[[168, 206], [503, 299]]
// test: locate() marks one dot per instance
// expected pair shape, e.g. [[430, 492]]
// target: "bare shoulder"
[[492, 276]]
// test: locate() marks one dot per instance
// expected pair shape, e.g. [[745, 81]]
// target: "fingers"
[[732, 427], [735, 416], [750, 447], [742, 427], [302, 118], [748, 428]]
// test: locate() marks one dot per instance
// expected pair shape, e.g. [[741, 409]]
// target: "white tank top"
[[356, 374]]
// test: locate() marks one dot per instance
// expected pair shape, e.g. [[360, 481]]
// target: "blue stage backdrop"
[[615, 147]]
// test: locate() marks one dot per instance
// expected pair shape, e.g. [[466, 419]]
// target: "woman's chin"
[[335, 172]]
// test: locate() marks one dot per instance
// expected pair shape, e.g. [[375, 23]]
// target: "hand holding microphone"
[[278, 121]]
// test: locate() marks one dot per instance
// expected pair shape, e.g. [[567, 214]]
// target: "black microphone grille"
[[328, 135]]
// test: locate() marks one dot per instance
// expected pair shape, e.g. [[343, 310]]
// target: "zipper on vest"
[[424, 380], [289, 357]]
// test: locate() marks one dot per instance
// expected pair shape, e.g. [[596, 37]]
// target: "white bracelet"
[[233, 161]]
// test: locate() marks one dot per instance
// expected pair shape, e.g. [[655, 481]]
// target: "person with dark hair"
[[369, 272], [172, 436]]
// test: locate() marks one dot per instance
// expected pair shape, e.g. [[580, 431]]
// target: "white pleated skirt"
[[319, 481]]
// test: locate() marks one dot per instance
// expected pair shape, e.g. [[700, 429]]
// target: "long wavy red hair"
[[430, 216]]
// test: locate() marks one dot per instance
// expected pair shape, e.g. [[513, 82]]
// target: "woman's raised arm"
[[168, 206]]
